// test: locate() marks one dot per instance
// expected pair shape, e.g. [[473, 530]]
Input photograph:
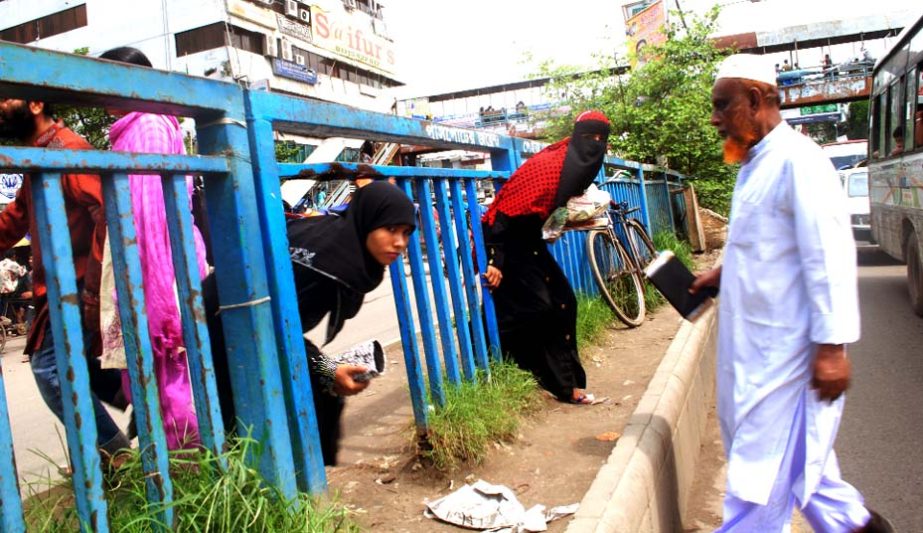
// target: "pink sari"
[[160, 134]]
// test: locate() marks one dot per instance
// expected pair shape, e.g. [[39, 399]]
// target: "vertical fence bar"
[[10, 503], [195, 332], [451, 252], [243, 292], [67, 331], [443, 315], [642, 197], [424, 308], [668, 202], [292, 359], [490, 316], [145, 399], [409, 344], [470, 277]]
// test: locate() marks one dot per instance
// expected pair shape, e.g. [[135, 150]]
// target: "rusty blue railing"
[[235, 129]]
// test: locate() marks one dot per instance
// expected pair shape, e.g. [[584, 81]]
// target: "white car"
[[856, 183]]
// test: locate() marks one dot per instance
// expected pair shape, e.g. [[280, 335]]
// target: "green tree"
[[92, 123], [660, 111], [857, 121]]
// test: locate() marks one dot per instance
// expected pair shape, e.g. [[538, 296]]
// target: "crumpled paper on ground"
[[487, 507]]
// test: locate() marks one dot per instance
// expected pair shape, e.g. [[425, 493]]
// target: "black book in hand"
[[673, 279]]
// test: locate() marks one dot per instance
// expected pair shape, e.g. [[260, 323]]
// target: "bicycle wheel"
[[643, 246], [618, 279]]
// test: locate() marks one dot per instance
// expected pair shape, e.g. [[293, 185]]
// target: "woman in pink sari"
[[157, 134]]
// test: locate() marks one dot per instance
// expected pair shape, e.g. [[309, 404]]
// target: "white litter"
[[494, 508]]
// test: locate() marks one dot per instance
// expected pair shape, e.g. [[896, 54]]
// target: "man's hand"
[[710, 278], [832, 371], [493, 277], [343, 382]]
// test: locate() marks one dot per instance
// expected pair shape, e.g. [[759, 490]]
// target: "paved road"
[[879, 440], [879, 443]]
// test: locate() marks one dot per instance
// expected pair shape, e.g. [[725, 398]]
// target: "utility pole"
[[682, 17]]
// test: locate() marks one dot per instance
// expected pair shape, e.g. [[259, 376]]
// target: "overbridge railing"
[[268, 367]]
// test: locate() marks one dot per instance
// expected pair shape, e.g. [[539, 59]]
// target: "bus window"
[[918, 114], [909, 126], [896, 140], [876, 135]]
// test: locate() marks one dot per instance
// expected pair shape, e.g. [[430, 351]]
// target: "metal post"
[[409, 344], [443, 316], [490, 315], [243, 291], [10, 502], [470, 276], [145, 397], [424, 309], [451, 251], [195, 332], [67, 330], [642, 192], [292, 359]]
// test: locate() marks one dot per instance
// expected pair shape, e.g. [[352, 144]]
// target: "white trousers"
[[834, 507]]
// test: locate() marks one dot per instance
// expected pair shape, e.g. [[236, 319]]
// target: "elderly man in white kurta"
[[789, 306]]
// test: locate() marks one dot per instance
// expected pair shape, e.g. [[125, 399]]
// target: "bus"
[[896, 156]]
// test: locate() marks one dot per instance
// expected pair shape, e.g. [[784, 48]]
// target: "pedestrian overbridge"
[[261, 325], [818, 88]]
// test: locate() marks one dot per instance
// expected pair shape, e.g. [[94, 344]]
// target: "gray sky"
[[445, 46]]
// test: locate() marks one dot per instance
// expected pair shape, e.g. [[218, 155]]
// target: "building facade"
[[333, 50]]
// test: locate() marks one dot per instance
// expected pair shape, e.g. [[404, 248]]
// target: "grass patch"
[[667, 240], [593, 316], [479, 413], [206, 498]]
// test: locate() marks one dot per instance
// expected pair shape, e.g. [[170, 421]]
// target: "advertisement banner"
[[351, 36], [644, 29]]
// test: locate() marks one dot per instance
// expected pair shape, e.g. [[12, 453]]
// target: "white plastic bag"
[[589, 205]]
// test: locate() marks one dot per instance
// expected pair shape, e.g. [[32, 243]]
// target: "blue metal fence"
[[268, 367]]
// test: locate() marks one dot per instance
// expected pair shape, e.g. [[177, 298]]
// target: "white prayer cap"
[[747, 67]]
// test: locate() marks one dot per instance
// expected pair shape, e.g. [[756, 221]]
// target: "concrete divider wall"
[[644, 485]]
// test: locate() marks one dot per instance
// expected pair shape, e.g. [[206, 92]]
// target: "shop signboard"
[[351, 35], [293, 71]]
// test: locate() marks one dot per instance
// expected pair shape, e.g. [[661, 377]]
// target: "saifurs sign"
[[353, 37]]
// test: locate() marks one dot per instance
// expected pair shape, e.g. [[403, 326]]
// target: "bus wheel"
[[915, 276]]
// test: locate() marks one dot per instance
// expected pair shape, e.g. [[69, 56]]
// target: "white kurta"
[[788, 283]]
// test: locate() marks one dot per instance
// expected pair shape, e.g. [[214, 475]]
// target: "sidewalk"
[[553, 462]]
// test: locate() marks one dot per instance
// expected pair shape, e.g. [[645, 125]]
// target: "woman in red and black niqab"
[[535, 305]]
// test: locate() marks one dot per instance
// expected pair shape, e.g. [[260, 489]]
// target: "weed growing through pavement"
[[478, 414], [207, 497], [593, 316]]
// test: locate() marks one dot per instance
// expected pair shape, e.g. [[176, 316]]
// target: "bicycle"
[[618, 254]]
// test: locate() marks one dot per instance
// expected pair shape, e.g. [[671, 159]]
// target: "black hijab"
[[584, 156], [335, 245], [332, 267]]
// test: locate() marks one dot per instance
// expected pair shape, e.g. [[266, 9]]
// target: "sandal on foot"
[[583, 399]]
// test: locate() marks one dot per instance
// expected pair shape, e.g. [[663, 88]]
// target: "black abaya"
[[535, 305]]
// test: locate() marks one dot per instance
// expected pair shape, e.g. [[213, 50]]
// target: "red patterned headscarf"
[[549, 178]]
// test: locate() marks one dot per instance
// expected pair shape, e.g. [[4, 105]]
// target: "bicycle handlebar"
[[622, 207]]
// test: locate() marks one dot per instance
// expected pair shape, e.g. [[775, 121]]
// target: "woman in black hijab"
[[336, 261]]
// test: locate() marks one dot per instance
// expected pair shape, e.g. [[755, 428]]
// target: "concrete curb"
[[644, 485]]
